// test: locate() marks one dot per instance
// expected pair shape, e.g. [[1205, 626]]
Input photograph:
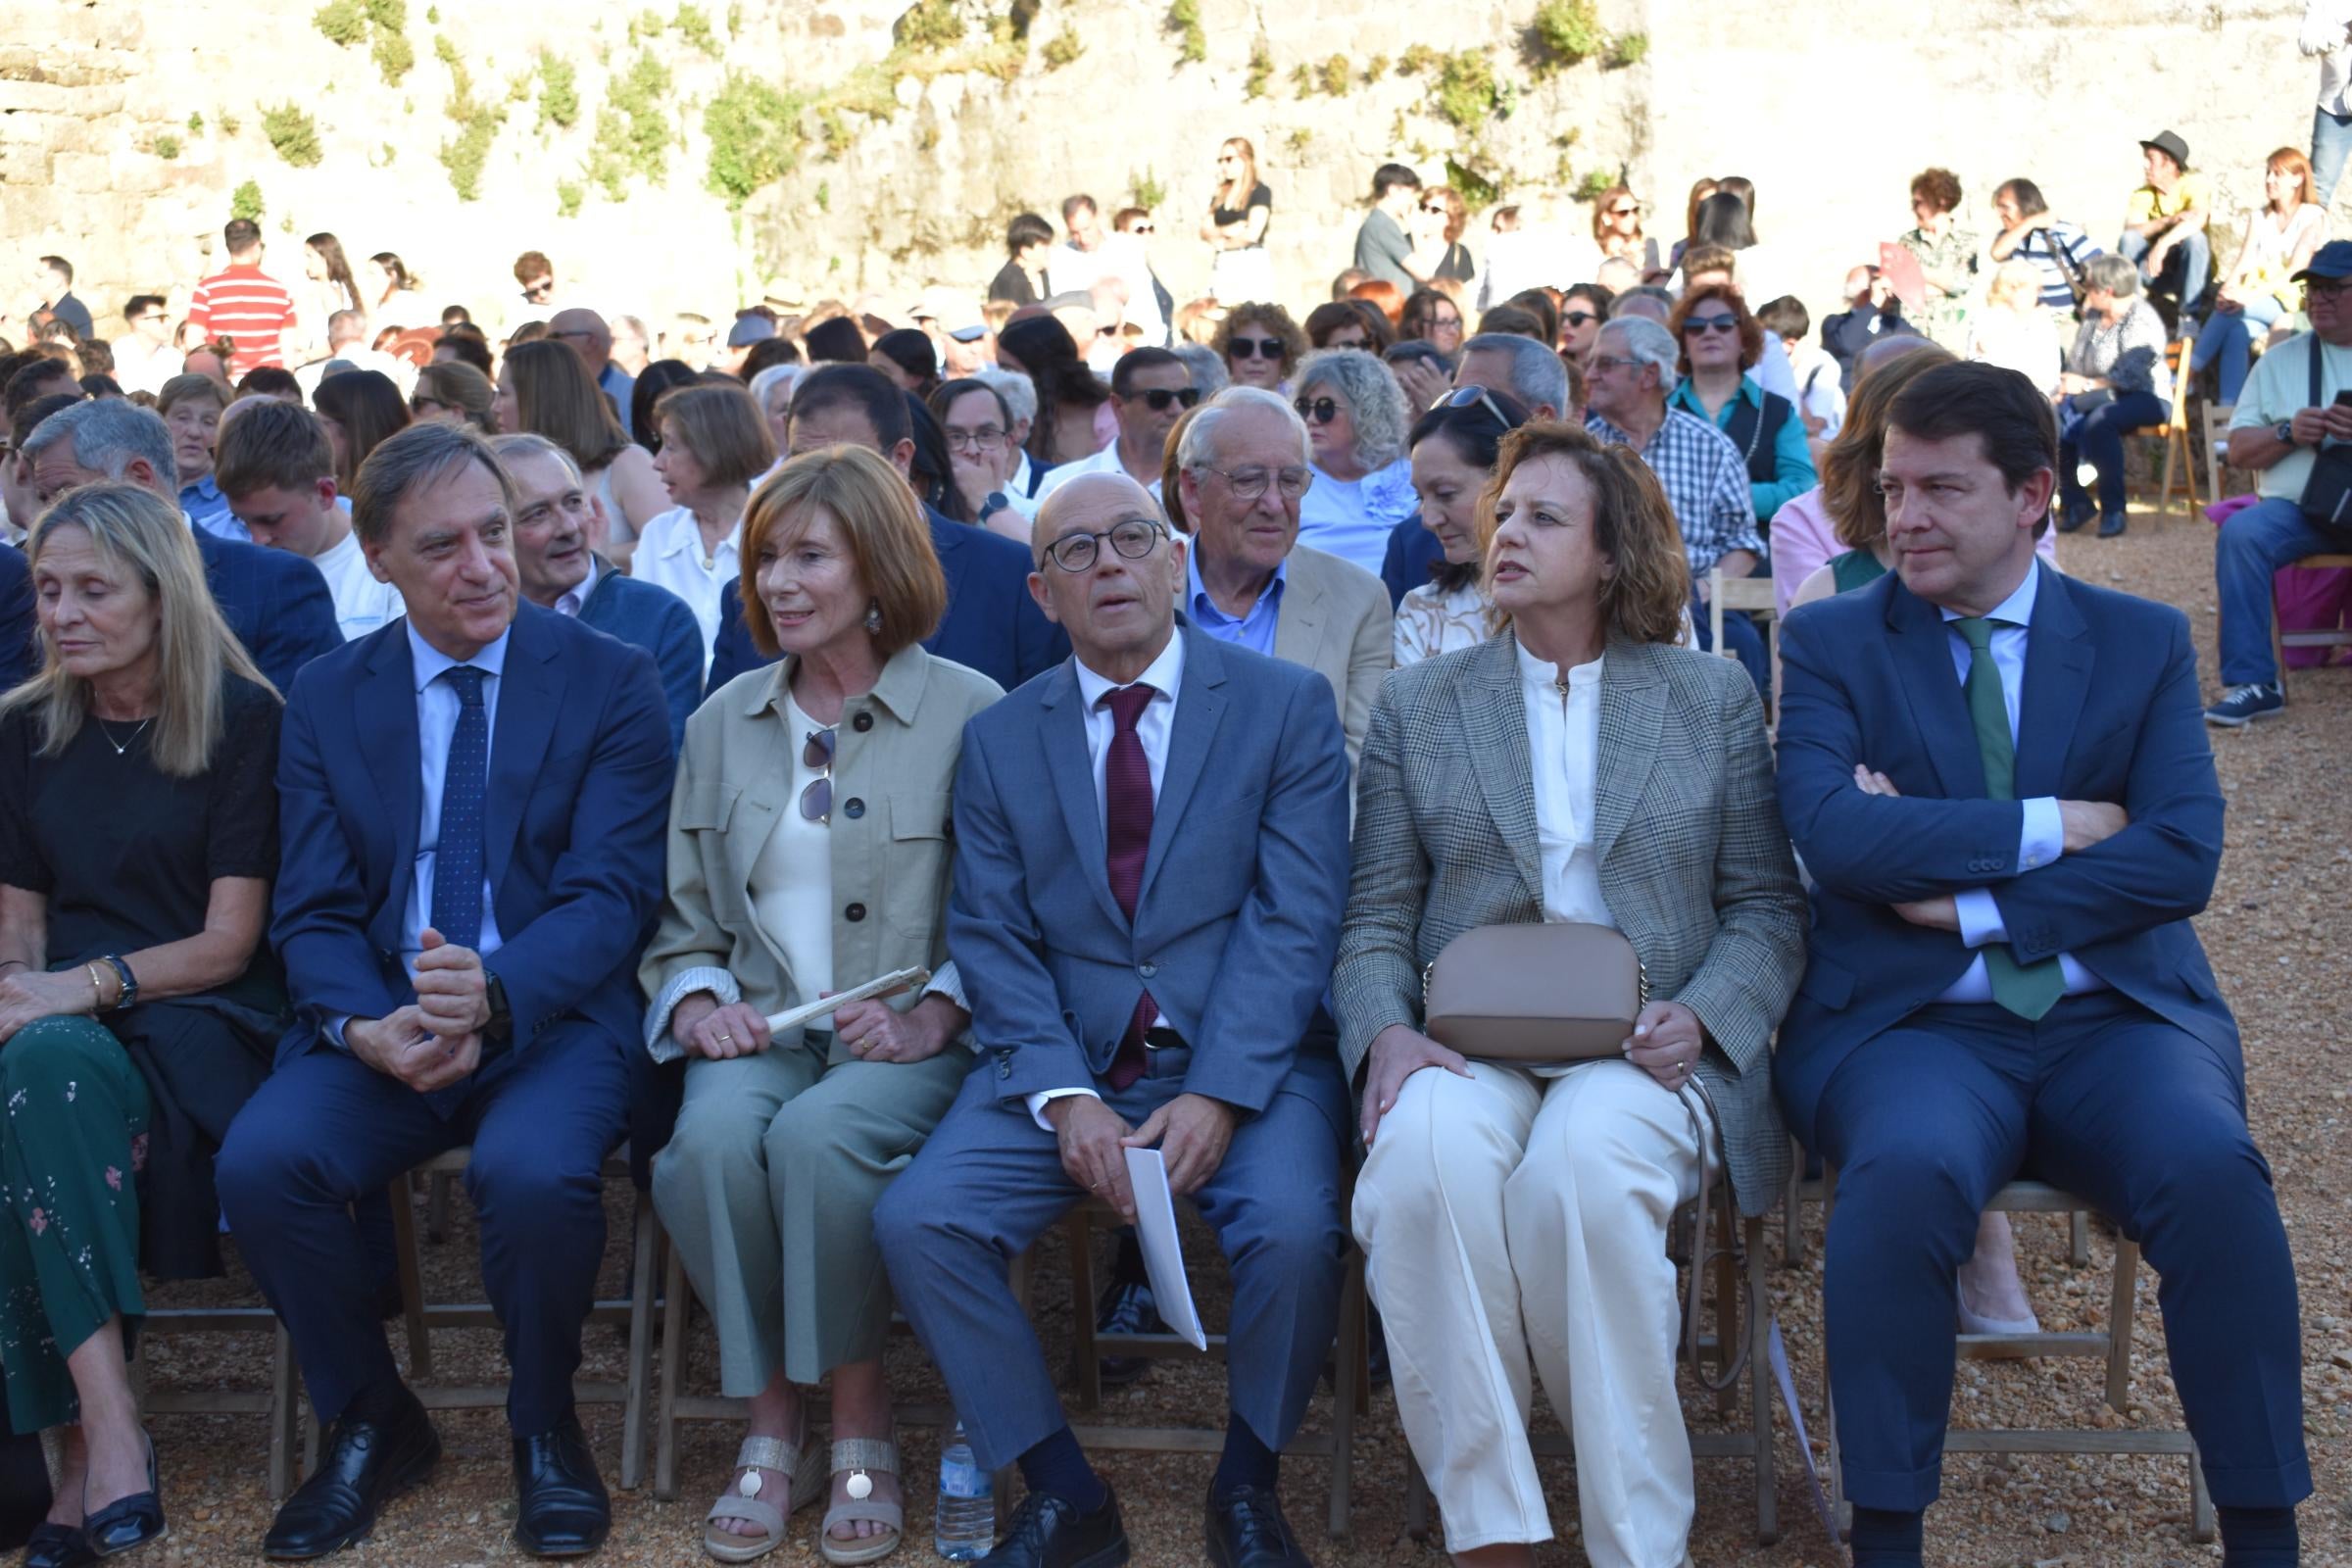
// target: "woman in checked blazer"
[[1577, 766]]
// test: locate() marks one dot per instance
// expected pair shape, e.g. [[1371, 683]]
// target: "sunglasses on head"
[[1254, 348], [1317, 411], [1711, 324], [1462, 397], [1159, 398]]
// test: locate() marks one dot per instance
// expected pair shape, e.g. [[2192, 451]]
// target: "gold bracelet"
[[97, 996]]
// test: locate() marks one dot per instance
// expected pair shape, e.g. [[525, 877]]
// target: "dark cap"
[[2332, 259], [749, 329], [2171, 145]]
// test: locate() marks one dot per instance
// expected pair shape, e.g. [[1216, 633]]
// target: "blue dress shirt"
[[1255, 629], [208, 509], [2043, 838]]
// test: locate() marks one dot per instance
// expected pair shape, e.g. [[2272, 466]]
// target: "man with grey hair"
[[1242, 464], [1631, 369], [475, 801], [585, 333], [1020, 401], [554, 514], [277, 603]]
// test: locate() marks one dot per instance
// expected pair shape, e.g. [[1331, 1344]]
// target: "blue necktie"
[[465, 786]]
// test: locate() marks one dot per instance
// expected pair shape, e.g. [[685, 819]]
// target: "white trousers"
[[1509, 1219]]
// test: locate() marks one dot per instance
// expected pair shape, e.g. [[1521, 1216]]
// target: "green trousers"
[[767, 1190], [72, 1112]]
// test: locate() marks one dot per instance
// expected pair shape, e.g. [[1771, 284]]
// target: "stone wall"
[[1830, 106]]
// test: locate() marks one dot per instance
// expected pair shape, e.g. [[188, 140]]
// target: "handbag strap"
[[1709, 1131], [2314, 371]]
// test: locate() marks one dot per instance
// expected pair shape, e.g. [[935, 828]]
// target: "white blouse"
[[670, 554], [1430, 622], [1563, 741], [792, 880]]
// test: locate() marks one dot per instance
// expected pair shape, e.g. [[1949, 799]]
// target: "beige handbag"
[[1534, 995], [1544, 995]]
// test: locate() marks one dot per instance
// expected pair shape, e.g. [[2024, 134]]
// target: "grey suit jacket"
[[1694, 864], [1336, 619]]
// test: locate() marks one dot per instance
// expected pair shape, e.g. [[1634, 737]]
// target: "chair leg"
[[1345, 1367], [2120, 1311], [1417, 1499], [2202, 1524], [1727, 1297], [411, 1283], [1792, 1227], [2078, 1238], [1759, 1387], [283, 1418], [642, 1272], [673, 1372], [1086, 1364]]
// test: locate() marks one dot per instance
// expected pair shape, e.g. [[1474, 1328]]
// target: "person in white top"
[[145, 359], [2014, 330], [2258, 290], [714, 444], [1150, 390], [277, 472]]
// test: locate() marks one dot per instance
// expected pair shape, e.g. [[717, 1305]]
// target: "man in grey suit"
[[1137, 996], [1243, 469]]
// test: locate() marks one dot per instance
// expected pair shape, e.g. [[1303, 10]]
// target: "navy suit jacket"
[[275, 600], [651, 617], [2110, 712], [1413, 553], [17, 656], [1233, 934], [992, 625], [580, 773]]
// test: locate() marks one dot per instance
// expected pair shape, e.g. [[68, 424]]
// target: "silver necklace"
[[122, 748]]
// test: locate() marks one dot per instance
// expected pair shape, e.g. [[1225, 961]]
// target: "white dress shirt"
[[1152, 728], [572, 601], [1563, 745], [670, 554], [1106, 460], [437, 709], [361, 603], [2043, 837]]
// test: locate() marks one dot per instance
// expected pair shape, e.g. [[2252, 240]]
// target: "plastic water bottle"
[[966, 1514]]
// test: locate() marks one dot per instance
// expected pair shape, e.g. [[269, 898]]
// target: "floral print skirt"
[[73, 1114]]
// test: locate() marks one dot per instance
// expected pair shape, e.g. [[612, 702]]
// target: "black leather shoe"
[[1127, 1308], [1047, 1533], [56, 1546], [365, 1465], [127, 1522], [1246, 1530], [561, 1509], [2075, 513], [2111, 525]]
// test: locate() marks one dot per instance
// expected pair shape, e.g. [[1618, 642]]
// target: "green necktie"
[[2027, 990]]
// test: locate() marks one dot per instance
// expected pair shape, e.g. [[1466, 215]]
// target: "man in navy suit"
[[1151, 864], [17, 658], [275, 601], [991, 625], [474, 800], [2000, 782]]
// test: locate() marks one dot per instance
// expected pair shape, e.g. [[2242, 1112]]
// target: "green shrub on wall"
[[294, 135], [246, 202], [755, 136], [343, 22], [559, 93]]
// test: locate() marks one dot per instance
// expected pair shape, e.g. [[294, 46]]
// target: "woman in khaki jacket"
[[808, 853]]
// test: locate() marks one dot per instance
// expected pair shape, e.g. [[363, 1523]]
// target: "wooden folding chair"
[[1804, 1190], [2217, 451], [1754, 595], [1753, 1441], [279, 1401], [636, 1313], [2113, 1345], [2180, 470], [1350, 1374]]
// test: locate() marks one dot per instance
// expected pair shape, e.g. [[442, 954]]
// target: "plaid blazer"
[[1693, 861]]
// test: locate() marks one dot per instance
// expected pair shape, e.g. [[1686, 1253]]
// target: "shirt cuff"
[[335, 1027], [2043, 838], [1980, 920], [658, 1043], [948, 983], [1036, 1103]]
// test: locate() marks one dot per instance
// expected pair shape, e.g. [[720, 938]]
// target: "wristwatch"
[[501, 1024], [2284, 431], [993, 504]]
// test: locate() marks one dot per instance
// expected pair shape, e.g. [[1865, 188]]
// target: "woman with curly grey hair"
[[1363, 484]]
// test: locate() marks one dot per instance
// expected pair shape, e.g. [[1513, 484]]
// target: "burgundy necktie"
[[1126, 840]]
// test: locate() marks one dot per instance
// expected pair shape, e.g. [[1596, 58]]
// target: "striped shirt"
[[249, 308]]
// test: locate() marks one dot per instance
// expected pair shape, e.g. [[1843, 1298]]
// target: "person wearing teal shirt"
[[1720, 342]]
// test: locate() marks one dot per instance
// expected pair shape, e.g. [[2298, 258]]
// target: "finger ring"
[[728, 1037]]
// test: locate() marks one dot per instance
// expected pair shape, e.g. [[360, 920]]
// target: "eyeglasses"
[[539, 290], [1250, 483], [1609, 362], [1434, 212], [1160, 397], [1623, 212], [2329, 289], [1139, 229], [1710, 324], [816, 755], [422, 404], [987, 438], [1578, 317], [1132, 538], [1317, 411], [1462, 397], [1254, 348]]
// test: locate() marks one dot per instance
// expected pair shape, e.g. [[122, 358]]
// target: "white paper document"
[[1164, 1254], [889, 985]]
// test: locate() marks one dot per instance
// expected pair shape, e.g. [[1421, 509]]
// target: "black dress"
[[1457, 264], [1012, 283], [125, 857]]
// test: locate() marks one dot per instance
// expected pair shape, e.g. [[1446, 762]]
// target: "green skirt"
[[73, 1130]]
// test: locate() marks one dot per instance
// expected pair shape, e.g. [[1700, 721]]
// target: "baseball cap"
[[2332, 259], [750, 330]]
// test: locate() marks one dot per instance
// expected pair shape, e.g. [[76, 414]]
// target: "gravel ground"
[[2281, 896]]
